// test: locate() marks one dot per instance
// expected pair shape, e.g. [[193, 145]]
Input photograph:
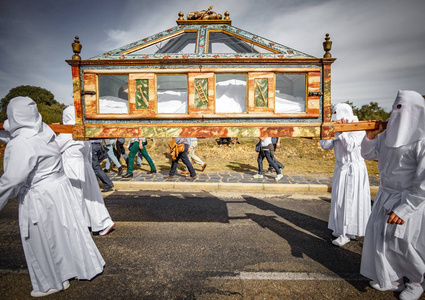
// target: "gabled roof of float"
[[200, 38]]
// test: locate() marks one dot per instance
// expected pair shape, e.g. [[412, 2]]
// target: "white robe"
[[392, 251], [57, 245], [350, 199], [76, 156]]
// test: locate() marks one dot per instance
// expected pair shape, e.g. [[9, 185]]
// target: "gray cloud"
[[378, 44]]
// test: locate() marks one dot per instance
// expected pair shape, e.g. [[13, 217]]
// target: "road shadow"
[[311, 224], [143, 206], [325, 199], [316, 245], [241, 167]]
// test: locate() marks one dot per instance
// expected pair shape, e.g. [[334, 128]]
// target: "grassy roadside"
[[297, 154]]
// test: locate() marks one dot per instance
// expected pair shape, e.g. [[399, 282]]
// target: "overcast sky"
[[379, 45]]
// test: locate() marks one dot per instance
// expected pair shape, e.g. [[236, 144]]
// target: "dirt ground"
[[297, 154]]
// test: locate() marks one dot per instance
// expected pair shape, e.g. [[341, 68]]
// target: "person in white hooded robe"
[[57, 245], [350, 199], [76, 156], [394, 244]]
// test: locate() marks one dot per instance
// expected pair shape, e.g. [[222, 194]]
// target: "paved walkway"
[[230, 181]]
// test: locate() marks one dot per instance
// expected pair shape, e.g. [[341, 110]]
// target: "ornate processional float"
[[203, 78]]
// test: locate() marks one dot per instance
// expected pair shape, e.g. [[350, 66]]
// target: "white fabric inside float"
[[113, 105], [230, 98], [172, 102], [285, 103]]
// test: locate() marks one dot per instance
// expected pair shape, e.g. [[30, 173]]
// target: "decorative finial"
[[226, 15], [181, 15], [327, 45], [76, 47], [202, 15]]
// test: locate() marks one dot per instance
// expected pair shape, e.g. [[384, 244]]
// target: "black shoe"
[[127, 175], [107, 189], [106, 170], [119, 170], [152, 171]]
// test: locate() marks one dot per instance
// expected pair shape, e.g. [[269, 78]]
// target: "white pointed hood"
[[24, 119], [343, 111], [406, 124], [68, 116]]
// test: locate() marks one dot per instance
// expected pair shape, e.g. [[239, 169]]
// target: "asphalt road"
[[207, 245]]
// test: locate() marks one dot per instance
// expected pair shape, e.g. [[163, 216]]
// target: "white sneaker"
[[66, 284], [351, 237], [107, 229], [412, 292], [41, 294], [341, 241], [269, 173], [258, 176], [49, 292], [278, 177], [394, 288]]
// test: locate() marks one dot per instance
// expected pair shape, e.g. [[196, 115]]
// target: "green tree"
[[49, 108], [370, 111]]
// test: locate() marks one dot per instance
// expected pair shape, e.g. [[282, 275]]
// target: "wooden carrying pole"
[[357, 126], [57, 128], [362, 125]]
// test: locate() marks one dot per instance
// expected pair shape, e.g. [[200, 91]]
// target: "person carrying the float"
[[394, 244], [76, 156], [350, 200], [56, 243]]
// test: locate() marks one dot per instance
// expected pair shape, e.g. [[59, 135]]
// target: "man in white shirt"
[[267, 151]]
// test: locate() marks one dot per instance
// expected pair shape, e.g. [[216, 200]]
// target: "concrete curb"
[[220, 186]]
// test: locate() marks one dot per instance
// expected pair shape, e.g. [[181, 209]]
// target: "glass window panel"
[[171, 93], [290, 93], [230, 93], [113, 94], [184, 43], [220, 42]]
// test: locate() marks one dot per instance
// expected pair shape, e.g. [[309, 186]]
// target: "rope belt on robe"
[[29, 194], [394, 199]]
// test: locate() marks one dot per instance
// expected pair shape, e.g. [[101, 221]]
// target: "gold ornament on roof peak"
[[204, 15]]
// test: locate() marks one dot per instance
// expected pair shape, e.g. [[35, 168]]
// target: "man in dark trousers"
[[96, 147], [276, 144], [185, 158]]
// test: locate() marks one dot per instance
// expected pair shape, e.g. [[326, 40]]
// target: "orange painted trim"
[[57, 128]]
